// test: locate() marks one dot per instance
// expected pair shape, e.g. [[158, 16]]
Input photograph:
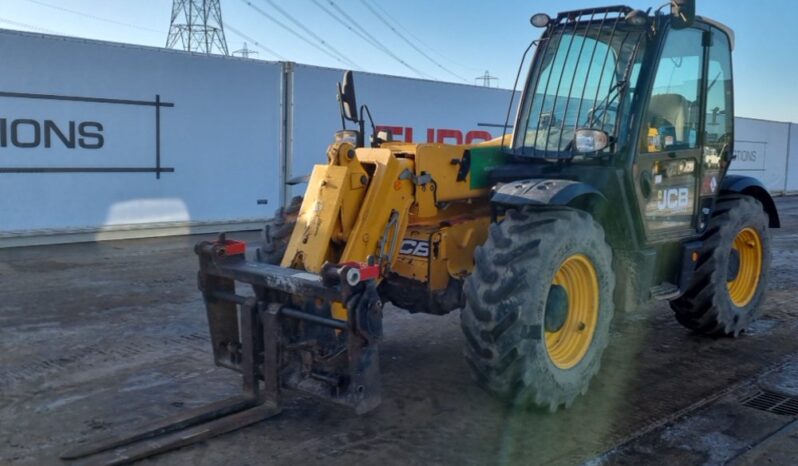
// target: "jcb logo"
[[673, 198], [411, 247]]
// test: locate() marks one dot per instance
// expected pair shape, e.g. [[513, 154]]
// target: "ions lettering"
[[28, 134]]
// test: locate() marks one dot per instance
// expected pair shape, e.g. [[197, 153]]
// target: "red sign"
[[439, 135]]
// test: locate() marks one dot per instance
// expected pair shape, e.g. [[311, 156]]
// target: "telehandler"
[[610, 191]]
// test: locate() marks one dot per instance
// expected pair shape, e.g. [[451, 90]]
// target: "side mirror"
[[346, 92], [682, 13]]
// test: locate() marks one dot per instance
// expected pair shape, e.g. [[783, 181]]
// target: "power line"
[[421, 42], [31, 27], [226, 26], [347, 20], [97, 18], [376, 41], [407, 41], [257, 44], [296, 34], [313, 34], [143, 28]]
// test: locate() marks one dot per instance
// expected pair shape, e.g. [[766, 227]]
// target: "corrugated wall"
[[101, 140], [87, 151], [761, 150], [415, 110], [792, 161]]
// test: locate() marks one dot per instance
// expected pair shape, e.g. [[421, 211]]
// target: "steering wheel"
[[598, 113], [725, 156]]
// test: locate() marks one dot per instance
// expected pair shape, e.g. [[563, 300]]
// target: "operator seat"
[[673, 109]]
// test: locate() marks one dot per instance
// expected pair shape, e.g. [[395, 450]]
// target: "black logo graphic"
[[26, 133]]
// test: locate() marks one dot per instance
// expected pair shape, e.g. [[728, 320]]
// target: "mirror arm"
[[371, 121], [341, 107]]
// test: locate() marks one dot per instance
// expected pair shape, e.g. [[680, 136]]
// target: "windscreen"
[[582, 76]]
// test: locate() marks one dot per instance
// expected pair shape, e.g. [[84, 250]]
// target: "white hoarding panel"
[[750, 155], [792, 163], [97, 136], [415, 110], [760, 150]]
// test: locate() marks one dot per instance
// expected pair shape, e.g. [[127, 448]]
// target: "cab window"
[[672, 118], [720, 118]]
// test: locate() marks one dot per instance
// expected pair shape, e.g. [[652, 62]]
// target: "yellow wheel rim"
[[568, 345], [748, 245]]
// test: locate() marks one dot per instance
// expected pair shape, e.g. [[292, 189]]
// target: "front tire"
[[731, 275], [539, 306], [277, 232]]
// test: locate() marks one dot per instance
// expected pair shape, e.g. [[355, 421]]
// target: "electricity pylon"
[[197, 26]]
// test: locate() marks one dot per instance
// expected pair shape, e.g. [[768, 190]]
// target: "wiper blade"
[[619, 86], [614, 92]]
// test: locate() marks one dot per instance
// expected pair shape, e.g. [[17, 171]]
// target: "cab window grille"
[[583, 72]]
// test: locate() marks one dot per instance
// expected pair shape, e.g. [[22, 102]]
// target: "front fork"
[[280, 336], [285, 334]]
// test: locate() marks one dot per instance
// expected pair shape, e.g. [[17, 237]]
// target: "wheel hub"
[[571, 311], [556, 309], [747, 252]]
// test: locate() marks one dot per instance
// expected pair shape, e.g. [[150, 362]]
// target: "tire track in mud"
[[96, 354], [174, 380], [639, 441]]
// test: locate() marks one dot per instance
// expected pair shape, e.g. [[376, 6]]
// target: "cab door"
[[667, 169]]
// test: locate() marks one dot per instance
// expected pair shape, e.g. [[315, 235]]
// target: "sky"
[[445, 40]]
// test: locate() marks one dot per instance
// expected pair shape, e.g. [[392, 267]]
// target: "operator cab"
[[637, 106]]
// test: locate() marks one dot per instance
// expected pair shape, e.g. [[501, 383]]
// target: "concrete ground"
[[95, 338]]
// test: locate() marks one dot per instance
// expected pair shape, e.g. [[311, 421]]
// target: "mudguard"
[[739, 184], [543, 192]]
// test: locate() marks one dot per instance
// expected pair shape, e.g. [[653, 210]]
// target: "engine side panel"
[[434, 259]]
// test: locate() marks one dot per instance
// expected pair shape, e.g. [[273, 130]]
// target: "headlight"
[[590, 140], [540, 20], [637, 18], [347, 135]]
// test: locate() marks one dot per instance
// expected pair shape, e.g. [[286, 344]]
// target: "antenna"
[[197, 26], [486, 79]]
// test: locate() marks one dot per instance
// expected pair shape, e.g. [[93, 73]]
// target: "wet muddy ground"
[[95, 338]]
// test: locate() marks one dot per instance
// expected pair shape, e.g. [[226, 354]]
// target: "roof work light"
[[540, 20]]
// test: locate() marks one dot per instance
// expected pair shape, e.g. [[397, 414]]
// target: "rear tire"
[[508, 348], [277, 232], [713, 304]]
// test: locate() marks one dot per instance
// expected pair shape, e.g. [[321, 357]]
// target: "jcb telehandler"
[[611, 191]]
